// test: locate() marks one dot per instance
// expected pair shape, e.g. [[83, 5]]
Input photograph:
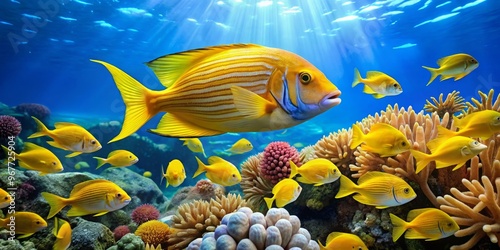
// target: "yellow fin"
[[434, 73], [416, 212], [269, 202], [332, 236], [56, 203], [55, 144], [442, 164], [458, 165], [306, 181], [201, 167], [24, 236], [101, 213], [76, 211], [100, 161], [170, 67], [368, 90], [445, 77], [171, 126], [357, 78], [371, 74], [81, 185], [249, 104], [293, 170], [65, 124], [422, 159], [357, 136], [370, 175], [214, 159], [347, 187], [378, 96], [460, 76], [136, 98], [42, 129], [73, 154], [399, 226]]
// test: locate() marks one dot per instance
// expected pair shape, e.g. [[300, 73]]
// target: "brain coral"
[[275, 163], [154, 232], [145, 212], [9, 126]]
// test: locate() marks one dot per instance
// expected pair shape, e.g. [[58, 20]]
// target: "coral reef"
[[193, 219], [145, 212], [129, 242], [87, 235], [9, 126], [254, 187], [154, 232], [335, 147], [245, 229], [451, 105], [275, 162], [34, 109], [120, 231]]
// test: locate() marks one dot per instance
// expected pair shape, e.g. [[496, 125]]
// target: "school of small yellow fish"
[[270, 89]]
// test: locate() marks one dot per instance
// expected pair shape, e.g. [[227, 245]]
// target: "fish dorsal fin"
[[81, 185], [64, 124], [371, 175], [452, 59], [214, 159], [416, 212], [115, 152], [170, 67], [381, 125], [332, 236], [371, 74], [28, 146]]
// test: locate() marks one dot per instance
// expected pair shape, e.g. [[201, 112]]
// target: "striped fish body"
[[234, 88]]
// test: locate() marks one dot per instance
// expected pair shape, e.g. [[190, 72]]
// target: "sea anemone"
[[254, 187], [9, 126], [154, 232], [34, 109], [145, 212], [120, 231], [275, 163]]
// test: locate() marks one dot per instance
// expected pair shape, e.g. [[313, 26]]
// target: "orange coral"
[[452, 104], [154, 232]]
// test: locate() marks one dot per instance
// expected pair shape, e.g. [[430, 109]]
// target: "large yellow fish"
[[382, 139], [68, 136], [25, 223], [242, 146], [89, 197], [34, 157], [194, 144], [481, 124], [5, 198], [284, 192], [62, 231], [317, 171], [342, 241], [377, 189], [228, 88], [118, 158], [424, 223], [456, 150], [455, 66], [377, 84], [219, 171], [175, 173]]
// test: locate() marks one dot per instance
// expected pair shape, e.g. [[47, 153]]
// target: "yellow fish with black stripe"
[[228, 88], [425, 223]]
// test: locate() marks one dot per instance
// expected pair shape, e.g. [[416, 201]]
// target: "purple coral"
[[275, 163], [34, 109], [9, 126], [25, 191], [145, 212]]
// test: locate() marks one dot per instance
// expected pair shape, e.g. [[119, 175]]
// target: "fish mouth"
[[127, 201], [330, 100]]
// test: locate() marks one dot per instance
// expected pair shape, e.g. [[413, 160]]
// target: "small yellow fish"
[[62, 231], [26, 223], [377, 189], [317, 171], [5, 198], [456, 150], [175, 173], [425, 223], [455, 66], [382, 139], [219, 171], [68, 136], [284, 192], [194, 144], [227, 88], [81, 164], [147, 174], [96, 197], [481, 124], [118, 158], [377, 84], [240, 147], [34, 157], [342, 241]]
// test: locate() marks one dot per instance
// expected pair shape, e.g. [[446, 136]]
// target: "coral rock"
[[258, 235], [226, 242], [285, 228], [246, 244], [273, 236], [238, 226], [298, 240]]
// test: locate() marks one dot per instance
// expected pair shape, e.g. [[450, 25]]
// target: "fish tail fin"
[[321, 246], [357, 136], [42, 130], [269, 202], [347, 187], [201, 167], [357, 78], [421, 158], [136, 97], [399, 226], [434, 73], [100, 162], [7, 151], [294, 169], [56, 203]]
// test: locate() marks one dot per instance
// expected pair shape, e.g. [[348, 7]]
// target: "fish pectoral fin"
[[171, 126], [100, 214], [465, 151], [24, 236], [445, 77], [458, 77], [73, 154], [368, 90], [249, 104], [378, 96], [362, 199], [459, 165], [381, 207], [55, 144]]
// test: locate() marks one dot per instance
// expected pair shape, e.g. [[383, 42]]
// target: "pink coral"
[[9, 126], [34, 109], [275, 163], [205, 187], [120, 231], [145, 212]]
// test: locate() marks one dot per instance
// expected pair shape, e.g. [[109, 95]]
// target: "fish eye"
[[37, 222], [406, 190], [118, 195], [403, 144], [335, 170], [130, 156], [234, 175], [305, 78], [6, 198], [54, 163], [93, 142], [395, 85], [449, 224]]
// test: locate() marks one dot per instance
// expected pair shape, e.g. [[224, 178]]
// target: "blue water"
[[46, 46]]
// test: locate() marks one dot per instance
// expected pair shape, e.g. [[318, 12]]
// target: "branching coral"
[[485, 103], [195, 218], [254, 187], [335, 147], [452, 104]]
